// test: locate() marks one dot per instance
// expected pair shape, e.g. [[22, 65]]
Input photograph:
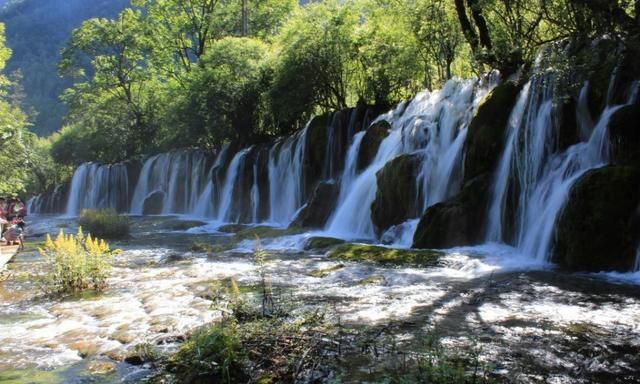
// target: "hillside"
[[36, 31]]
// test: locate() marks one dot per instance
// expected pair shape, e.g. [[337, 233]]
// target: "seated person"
[[15, 234]]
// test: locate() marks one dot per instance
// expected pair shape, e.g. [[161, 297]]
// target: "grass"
[[105, 224], [383, 255]]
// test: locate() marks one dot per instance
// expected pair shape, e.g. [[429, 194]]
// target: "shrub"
[[77, 263], [106, 223]]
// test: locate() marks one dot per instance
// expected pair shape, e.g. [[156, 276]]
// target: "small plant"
[[260, 256], [106, 223], [77, 263]]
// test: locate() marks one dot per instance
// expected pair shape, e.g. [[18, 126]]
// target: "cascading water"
[[179, 177], [98, 186], [255, 195], [225, 212], [286, 178], [543, 173], [434, 125], [206, 203]]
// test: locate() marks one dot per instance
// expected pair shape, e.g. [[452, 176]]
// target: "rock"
[[486, 132], [182, 225], [315, 150], [319, 207], [371, 142], [603, 58], [397, 194], [153, 203], [134, 360], [458, 221], [233, 228], [384, 255], [595, 231], [263, 232], [324, 272], [566, 121], [318, 242], [101, 367], [624, 135]]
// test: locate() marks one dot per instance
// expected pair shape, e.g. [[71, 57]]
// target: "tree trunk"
[[465, 24], [481, 23]]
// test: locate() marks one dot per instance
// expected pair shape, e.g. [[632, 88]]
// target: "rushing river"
[[532, 324]]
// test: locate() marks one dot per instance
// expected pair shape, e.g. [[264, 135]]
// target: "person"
[[20, 209], [3, 216], [15, 234]]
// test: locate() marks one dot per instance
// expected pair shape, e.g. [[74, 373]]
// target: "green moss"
[[319, 242], [263, 232], [201, 247], [325, 271], [383, 255], [233, 228]]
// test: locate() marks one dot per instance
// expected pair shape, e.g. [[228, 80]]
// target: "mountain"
[[36, 31]]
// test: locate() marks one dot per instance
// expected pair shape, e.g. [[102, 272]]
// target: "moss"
[[201, 247], [486, 132], [383, 255], [319, 242], [233, 228], [323, 272], [595, 230], [263, 232], [375, 134], [397, 193]]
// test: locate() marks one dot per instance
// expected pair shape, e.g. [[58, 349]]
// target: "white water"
[[206, 206], [434, 125], [226, 212], [98, 186], [286, 178], [544, 174]]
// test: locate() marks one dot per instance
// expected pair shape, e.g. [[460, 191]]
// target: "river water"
[[531, 323]]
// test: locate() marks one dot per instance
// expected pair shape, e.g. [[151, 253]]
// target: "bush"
[[77, 262], [106, 223]]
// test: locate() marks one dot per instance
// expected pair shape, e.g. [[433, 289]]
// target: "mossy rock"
[[595, 231], [603, 59], [486, 132], [383, 255], [567, 123], [182, 225], [323, 272], [624, 134], [263, 232], [319, 242], [319, 207], [370, 280], [458, 221], [370, 144], [397, 194]]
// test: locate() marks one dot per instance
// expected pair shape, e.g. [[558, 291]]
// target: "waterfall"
[[178, 176], [225, 212], [286, 178], [206, 203], [98, 186], [255, 194], [543, 174], [434, 125]]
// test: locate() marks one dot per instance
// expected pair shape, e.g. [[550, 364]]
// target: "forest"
[[166, 74]]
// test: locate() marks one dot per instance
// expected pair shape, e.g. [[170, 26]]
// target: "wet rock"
[[383, 255], [486, 132], [315, 149], [153, 203], [595, 230], [323, 272], [397, 194], [458, 221], [319, 207], [319, 242], [134, 360], [182, 225], [101, 367], [603, 58], [625, 136], [263, 232], [233, 228], [566, 121], [375, 134]]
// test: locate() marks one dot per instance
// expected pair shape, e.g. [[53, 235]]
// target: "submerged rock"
[[384, 255], [153, 203], [319, 207], [456, 222], [181, 225], [486, 132], [397, 194], [319, 242], [371, 143], [596, 230]]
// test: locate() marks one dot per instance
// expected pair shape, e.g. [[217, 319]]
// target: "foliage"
[[77, 263], [106, 223]]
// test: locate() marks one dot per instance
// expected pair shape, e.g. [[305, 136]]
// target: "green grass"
[[105, 224], [383, 255]]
